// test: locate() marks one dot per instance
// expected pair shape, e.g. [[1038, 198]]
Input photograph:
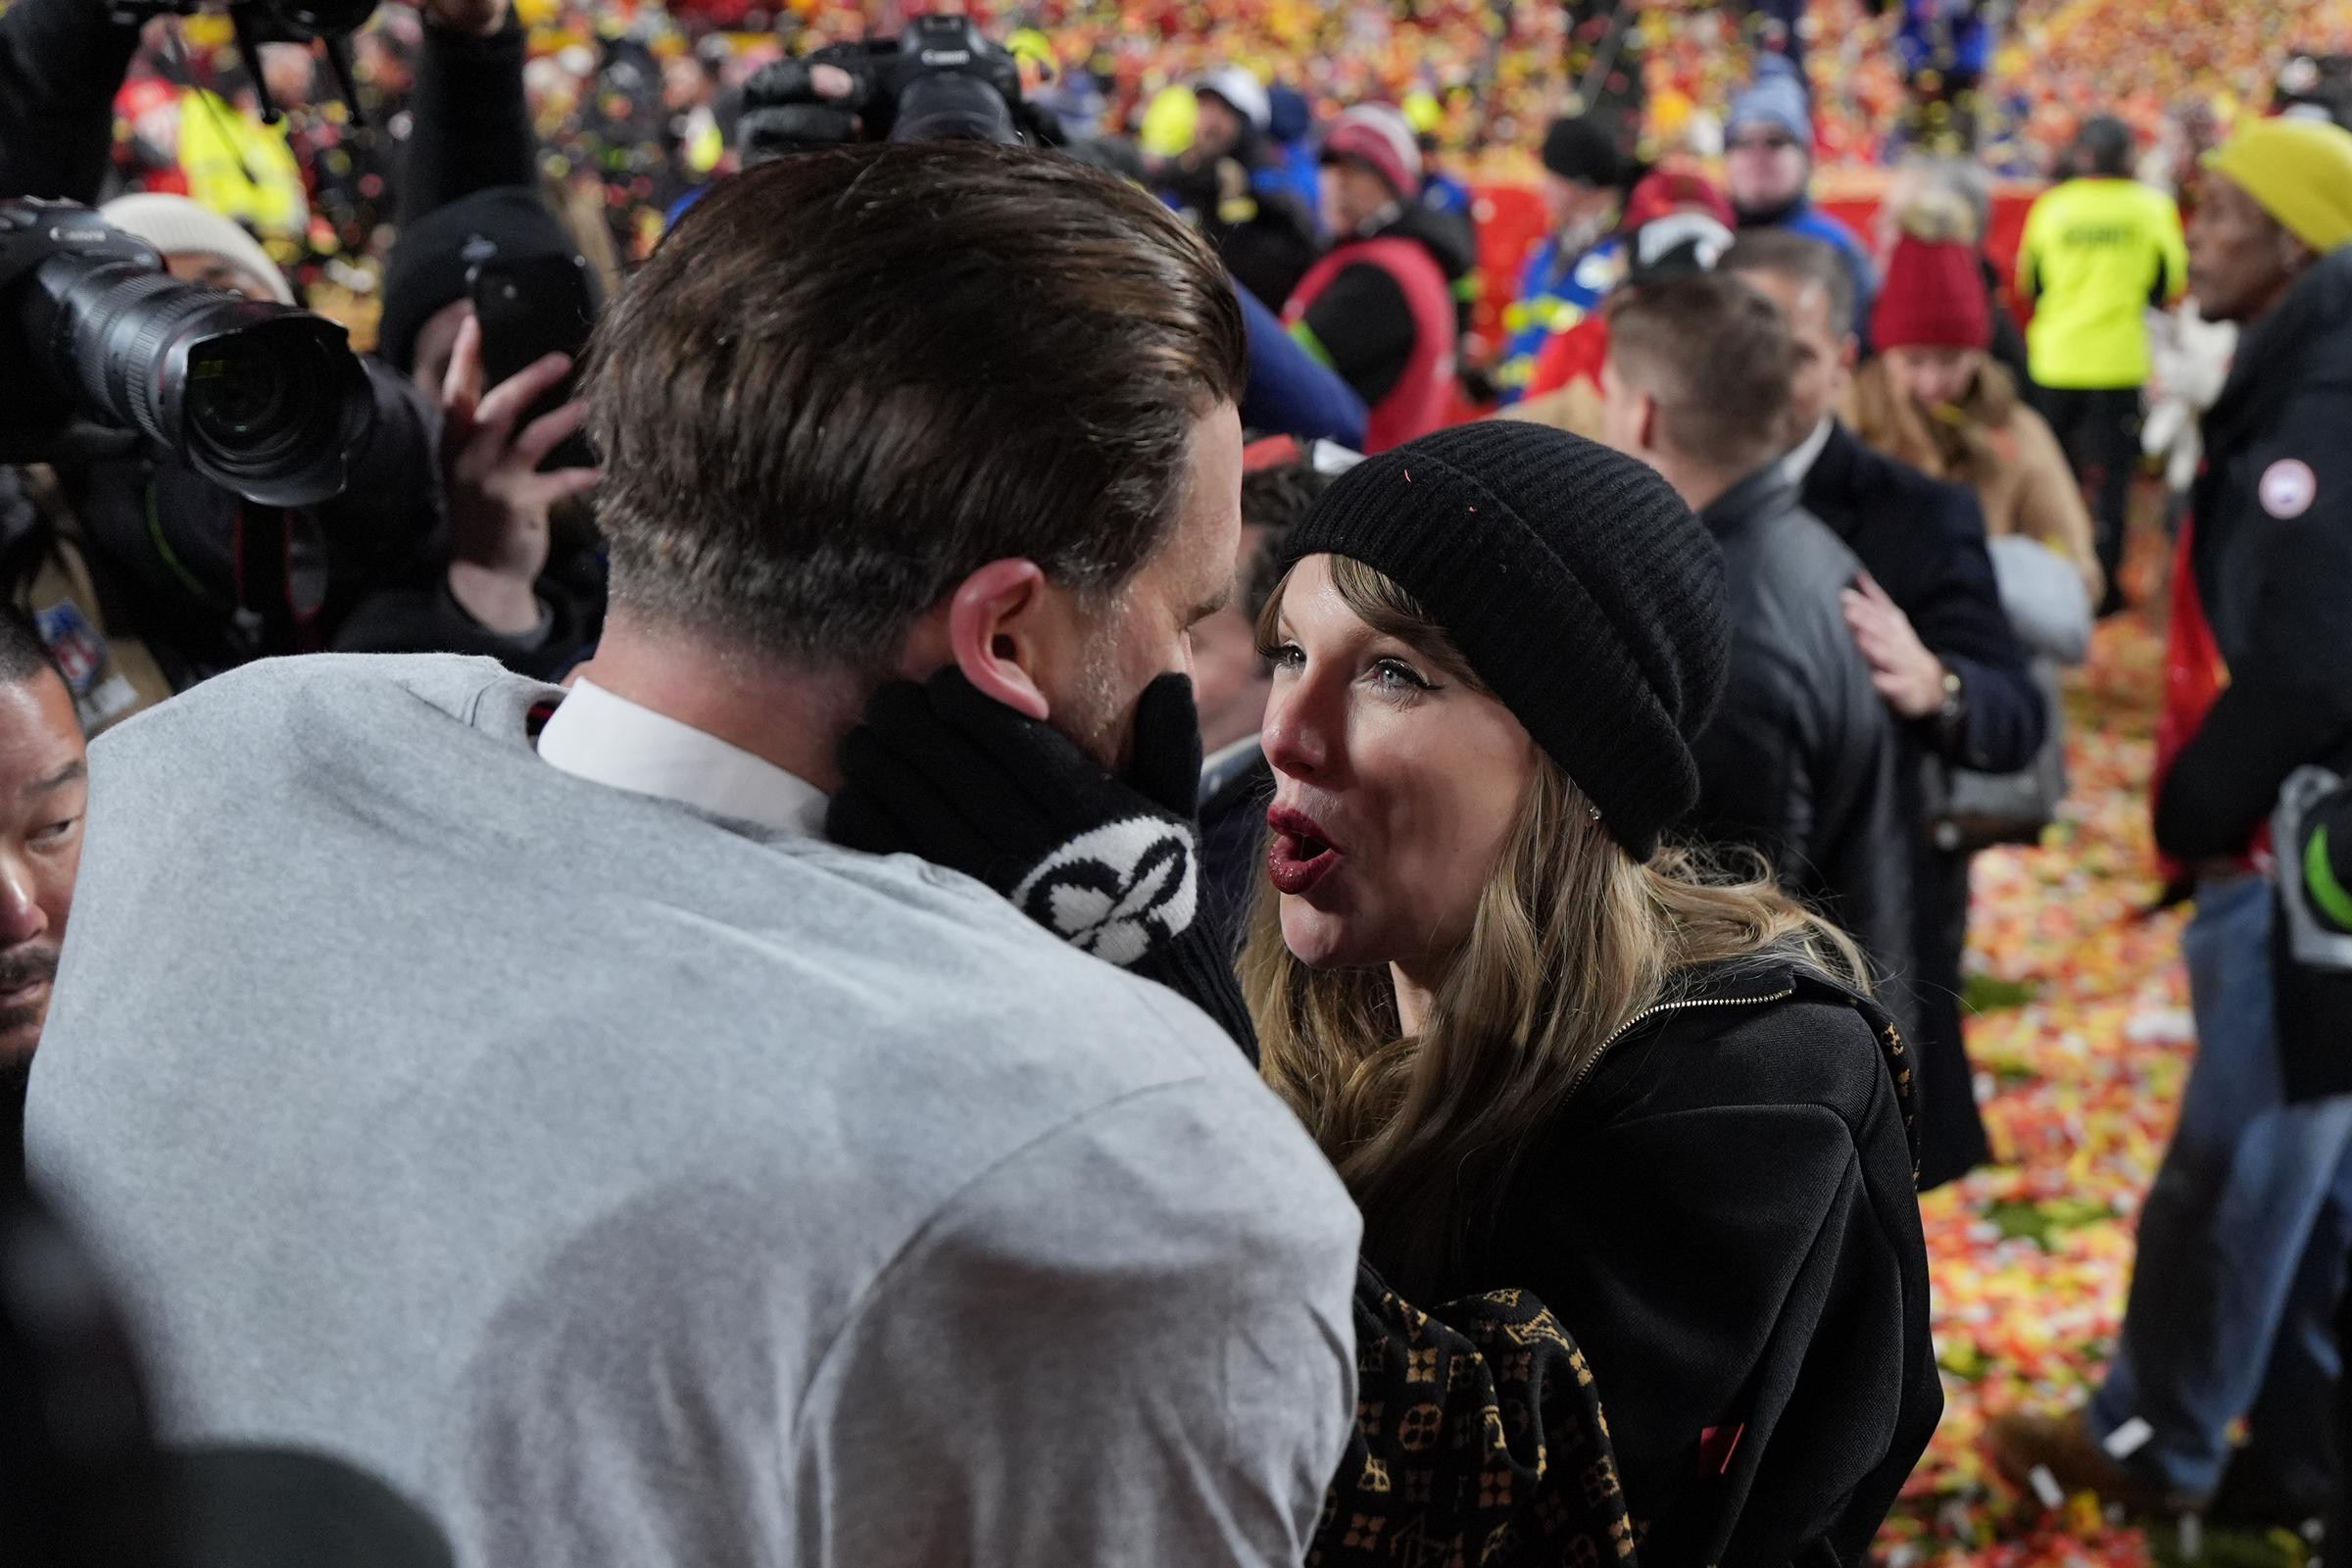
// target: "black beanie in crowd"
[[1574, 580], [1579, 148], [429, 262]]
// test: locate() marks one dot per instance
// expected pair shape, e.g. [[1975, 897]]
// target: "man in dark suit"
[[1928, 620]]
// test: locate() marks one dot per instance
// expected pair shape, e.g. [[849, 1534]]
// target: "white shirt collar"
[[612, 740], [1799, 462]]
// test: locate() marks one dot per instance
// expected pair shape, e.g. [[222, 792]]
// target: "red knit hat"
[[1933, 298], [1382, 140]]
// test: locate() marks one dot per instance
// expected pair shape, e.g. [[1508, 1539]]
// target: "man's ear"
[[994, 627], [1849, 353], [1646, 410]]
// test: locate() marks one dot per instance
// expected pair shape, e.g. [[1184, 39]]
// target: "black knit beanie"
[[429, 262], [1579, 148], [1578, 585]]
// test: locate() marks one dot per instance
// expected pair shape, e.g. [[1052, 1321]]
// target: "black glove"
[[1110, 866], [784, 114]]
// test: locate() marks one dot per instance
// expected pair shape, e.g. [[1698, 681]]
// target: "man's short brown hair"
[[1718, 358], [851, 378]]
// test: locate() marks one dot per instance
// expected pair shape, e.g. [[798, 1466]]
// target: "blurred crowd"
[[634, 103]]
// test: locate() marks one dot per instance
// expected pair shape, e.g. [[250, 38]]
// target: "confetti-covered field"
[[2081, 1048]]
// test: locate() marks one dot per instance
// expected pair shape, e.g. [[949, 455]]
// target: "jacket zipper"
[[1647, 1014]]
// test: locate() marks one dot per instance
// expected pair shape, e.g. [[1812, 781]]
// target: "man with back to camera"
[[579, 1141], [1940, 649], [44, 784], [1798, 762]]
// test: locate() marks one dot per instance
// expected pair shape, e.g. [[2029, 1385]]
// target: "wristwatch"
[[1954, 709]]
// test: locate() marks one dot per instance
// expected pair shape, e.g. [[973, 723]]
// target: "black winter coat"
[[2272, 556], [1924, 541], [1723, 1218], [1799, 760]]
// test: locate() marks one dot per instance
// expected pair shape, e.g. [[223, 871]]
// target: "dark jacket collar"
[[2306, 338], [1766, 493]]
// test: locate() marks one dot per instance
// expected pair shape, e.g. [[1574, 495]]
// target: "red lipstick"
[[1299, 853]]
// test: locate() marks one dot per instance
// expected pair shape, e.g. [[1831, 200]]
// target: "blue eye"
[[1396, 675]]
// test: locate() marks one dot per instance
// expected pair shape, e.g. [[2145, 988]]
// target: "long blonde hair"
[[1572, 940]]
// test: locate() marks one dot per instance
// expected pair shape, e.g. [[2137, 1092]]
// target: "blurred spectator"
[[1291, 167], [1799, 759], [1941, 653], [1955, 185], [2100, 251], [1579, 260], [1267, 238], [1768, 163], [1934, 398], [1675, 223], [2243, 1237], [1379, 308], [740, 1171], [1946, 47]]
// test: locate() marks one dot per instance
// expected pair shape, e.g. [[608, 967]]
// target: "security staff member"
[[2098, 251]]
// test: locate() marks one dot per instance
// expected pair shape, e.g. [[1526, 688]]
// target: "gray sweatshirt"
[[634, 1188]]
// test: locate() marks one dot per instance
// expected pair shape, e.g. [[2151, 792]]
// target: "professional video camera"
[[328, 23], [264, 400], [939, 79]]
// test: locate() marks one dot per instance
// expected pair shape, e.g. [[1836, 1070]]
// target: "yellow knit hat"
[[2299, 171]]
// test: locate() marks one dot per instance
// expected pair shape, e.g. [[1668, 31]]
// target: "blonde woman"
[[1545, 1048]]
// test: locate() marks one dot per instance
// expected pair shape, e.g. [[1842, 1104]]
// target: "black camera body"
[[262, 399], [946, 82]]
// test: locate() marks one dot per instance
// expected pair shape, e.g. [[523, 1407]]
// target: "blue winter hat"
[[1289, 115], [1776, 97]]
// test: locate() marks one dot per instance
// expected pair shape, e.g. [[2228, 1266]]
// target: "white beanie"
[[175, 224], [1244, 92]]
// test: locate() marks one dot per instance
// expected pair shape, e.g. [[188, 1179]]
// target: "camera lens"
[[262, 399], [236, 391]]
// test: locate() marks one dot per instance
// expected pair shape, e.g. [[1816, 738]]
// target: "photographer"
[[522, 583], [189, 573]]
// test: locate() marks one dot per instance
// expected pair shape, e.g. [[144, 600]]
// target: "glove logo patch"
[[1117, 890]]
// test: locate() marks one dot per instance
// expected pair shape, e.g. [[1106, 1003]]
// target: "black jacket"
[[1924, 541], [1723, 1218], [1799, 760], [1362, 321], [61, 63], [2272, 556]]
